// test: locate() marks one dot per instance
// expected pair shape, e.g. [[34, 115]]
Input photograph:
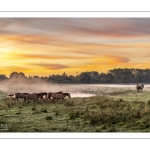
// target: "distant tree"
[[17, 75], [21, 75], [3, 77], [85, 77], [117, 75], [36, 77], [94, 76], [13, 74]]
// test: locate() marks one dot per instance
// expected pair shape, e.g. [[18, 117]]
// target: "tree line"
[[118, 75]]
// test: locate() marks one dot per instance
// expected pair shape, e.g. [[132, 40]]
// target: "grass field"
[[118, 111]]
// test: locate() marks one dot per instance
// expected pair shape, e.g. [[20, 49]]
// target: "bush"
[[148, 102], [49, 118], [44, 110], [57, 111], [69, 103], [33, 109], [73, 115]]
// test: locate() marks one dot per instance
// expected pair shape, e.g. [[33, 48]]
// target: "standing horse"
[[21, 95], [32, 96], [42, 95], [49, 95], [60, 96], [139, 87]]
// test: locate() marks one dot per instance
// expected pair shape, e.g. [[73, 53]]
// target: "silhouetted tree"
[[3, 77]]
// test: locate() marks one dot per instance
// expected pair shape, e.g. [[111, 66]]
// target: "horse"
[[42, 95], [49, 94], [60, 96], [32, 96], [21, 95], [139, 87]]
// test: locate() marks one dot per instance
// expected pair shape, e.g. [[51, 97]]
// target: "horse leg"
[[25, 99], [52, 100], [17, 99]]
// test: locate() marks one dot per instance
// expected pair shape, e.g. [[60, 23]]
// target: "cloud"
[[110, 27], [49, 56], [81, 43], [9, 69], [51, 66], [110, 59], [29, 39]]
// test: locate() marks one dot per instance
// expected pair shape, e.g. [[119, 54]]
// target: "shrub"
[[148, 102], [33, 109], [44, 110], [73, 115], [57, 111], [49, 118], [69, 103]]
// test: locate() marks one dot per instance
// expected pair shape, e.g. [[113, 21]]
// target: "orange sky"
[[45, 46]]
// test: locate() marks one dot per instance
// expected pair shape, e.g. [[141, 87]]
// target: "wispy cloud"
[[76, 43], [51, 66], [110, 27]]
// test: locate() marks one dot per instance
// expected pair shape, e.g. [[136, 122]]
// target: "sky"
[[46, 46]]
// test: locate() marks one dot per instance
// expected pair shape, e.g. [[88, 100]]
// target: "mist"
[[15, 84]]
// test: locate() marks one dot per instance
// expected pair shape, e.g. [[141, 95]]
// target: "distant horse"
[[49, 95], [139, 87], [42, 95], [32, 96], [60, 96], [21, 95]]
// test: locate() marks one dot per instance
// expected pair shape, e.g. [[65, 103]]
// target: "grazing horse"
[[49, 95], [139, 87], [21, 95], [32, 96], [42, 95], [60, 96]]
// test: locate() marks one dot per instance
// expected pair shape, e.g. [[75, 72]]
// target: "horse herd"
[[50, 96], [44, 96]]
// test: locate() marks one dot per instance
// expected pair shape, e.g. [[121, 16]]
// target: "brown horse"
[[32, 96], [139, 87], [21, 95], [42, 95], [49, 95], [60, 96]]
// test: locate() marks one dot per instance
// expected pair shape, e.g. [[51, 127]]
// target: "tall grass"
[[116, 112]]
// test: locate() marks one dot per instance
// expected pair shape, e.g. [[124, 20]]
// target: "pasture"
[[119, 110]]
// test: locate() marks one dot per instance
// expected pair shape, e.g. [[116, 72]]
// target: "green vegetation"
[[118, 75], [122, 111]]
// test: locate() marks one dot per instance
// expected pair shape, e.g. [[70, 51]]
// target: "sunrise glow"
[[45, 46]]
